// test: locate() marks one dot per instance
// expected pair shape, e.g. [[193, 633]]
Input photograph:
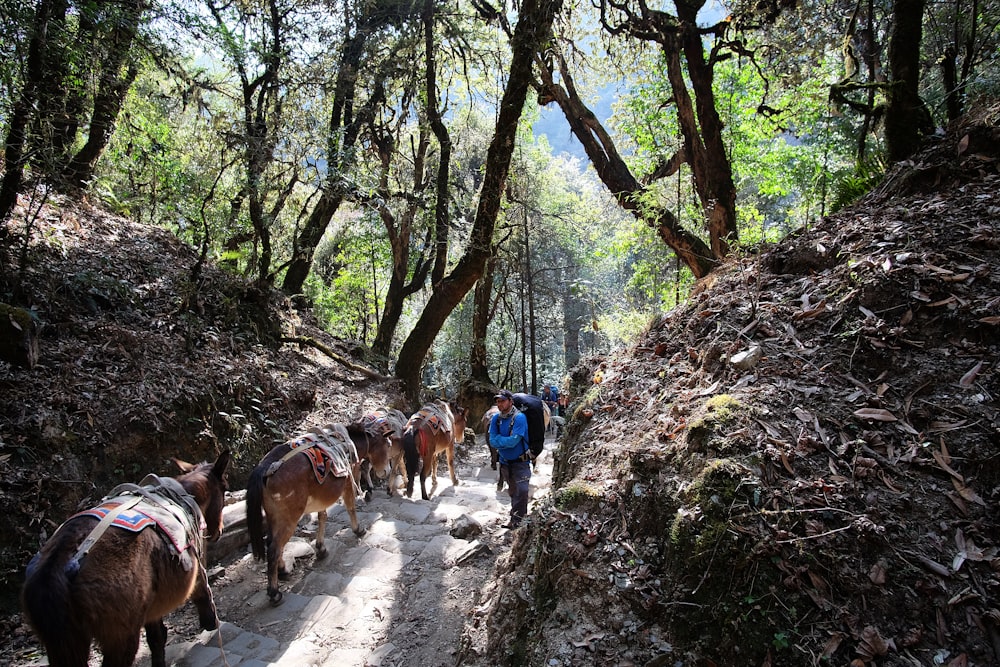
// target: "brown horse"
[[435, 428], [391, 422], [308, 474], [104, 579]]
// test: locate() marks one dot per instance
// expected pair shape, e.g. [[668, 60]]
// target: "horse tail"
[[255, 506], [411, 455], [46, 601]]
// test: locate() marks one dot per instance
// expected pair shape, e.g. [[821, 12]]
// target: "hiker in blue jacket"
[[509, 436]]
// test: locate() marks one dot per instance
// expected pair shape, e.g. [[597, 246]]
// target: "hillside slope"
[[801, 465]]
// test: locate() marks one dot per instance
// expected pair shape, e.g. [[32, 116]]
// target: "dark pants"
[[518, 475]]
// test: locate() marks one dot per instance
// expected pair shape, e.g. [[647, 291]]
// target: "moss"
[[577, 493], [716, 411], [704, 519], [722, 405]]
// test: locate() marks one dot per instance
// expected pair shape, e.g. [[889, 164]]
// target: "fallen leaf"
[[784, 462], [872, 644], [960, 660], [963, 145], [970, 376], [941, 427], [967, 493], [832, 644], [944, 302], [877, 574], [803, 415], [875, 414], [942, 461]]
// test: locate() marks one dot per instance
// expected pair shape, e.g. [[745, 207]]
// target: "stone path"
[[400, 594]]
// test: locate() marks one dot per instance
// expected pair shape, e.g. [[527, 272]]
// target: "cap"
[[503, 393]]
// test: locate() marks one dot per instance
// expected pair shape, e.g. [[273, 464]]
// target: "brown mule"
[[146, 560], [286, 485], [435, 428], [391, 422]]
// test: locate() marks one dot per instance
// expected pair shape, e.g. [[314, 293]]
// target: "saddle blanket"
[[434, 416], [329, 450], [142, 516], [380, 423]]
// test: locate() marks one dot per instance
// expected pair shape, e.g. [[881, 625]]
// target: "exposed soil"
[[800, 465]]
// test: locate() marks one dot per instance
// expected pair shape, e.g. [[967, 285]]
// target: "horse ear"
[[184, 466], [221, 463]]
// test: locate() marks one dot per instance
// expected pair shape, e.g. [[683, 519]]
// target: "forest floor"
[[799, 465]]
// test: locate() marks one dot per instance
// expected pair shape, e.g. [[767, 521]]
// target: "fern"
[[851, 187]]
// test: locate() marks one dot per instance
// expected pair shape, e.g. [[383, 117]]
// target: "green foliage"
[[852, 186]]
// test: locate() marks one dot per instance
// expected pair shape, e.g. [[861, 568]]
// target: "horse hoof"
[[368, 496], [361, 531], [275, 598], [321, 553], [493, 466], [283, 575]]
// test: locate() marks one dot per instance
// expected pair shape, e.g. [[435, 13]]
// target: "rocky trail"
[[404, 593]]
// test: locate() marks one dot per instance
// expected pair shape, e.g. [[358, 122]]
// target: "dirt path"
[[399, 595]]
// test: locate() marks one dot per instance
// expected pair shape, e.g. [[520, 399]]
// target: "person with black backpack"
[[534, 410], [509, 436]]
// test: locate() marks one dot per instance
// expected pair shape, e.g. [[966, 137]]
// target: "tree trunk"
[[482, 312], [441, 190], [343, 123], [706, 149], [533, 30], [907, 120], [399, 231], [23, 111]]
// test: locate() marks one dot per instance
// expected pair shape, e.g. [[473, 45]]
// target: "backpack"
[[534, 411]]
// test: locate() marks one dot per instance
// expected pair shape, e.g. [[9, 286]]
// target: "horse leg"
[[123, 654], [348, 497], [275, 563], [366, 480], [449, 455], [423, 477], [156, 637], [434, 470], [203, 601], [320, 535]]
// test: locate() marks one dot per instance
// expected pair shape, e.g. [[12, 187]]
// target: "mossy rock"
[[18, 336], [717, 411], [578, 494]]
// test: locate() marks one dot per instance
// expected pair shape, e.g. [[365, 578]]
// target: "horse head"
[[208, 484], [460, 418], [373, 446]]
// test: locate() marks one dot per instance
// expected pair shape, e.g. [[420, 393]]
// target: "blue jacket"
[[509, 436]]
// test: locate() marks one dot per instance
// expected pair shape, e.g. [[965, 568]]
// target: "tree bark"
[[342, 134], [907, 119], [15, 147], [533, 29], [399, 231], [482, 314]]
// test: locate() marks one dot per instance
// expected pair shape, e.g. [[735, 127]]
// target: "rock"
[[18, 336], [466, 528], [747, 359]]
